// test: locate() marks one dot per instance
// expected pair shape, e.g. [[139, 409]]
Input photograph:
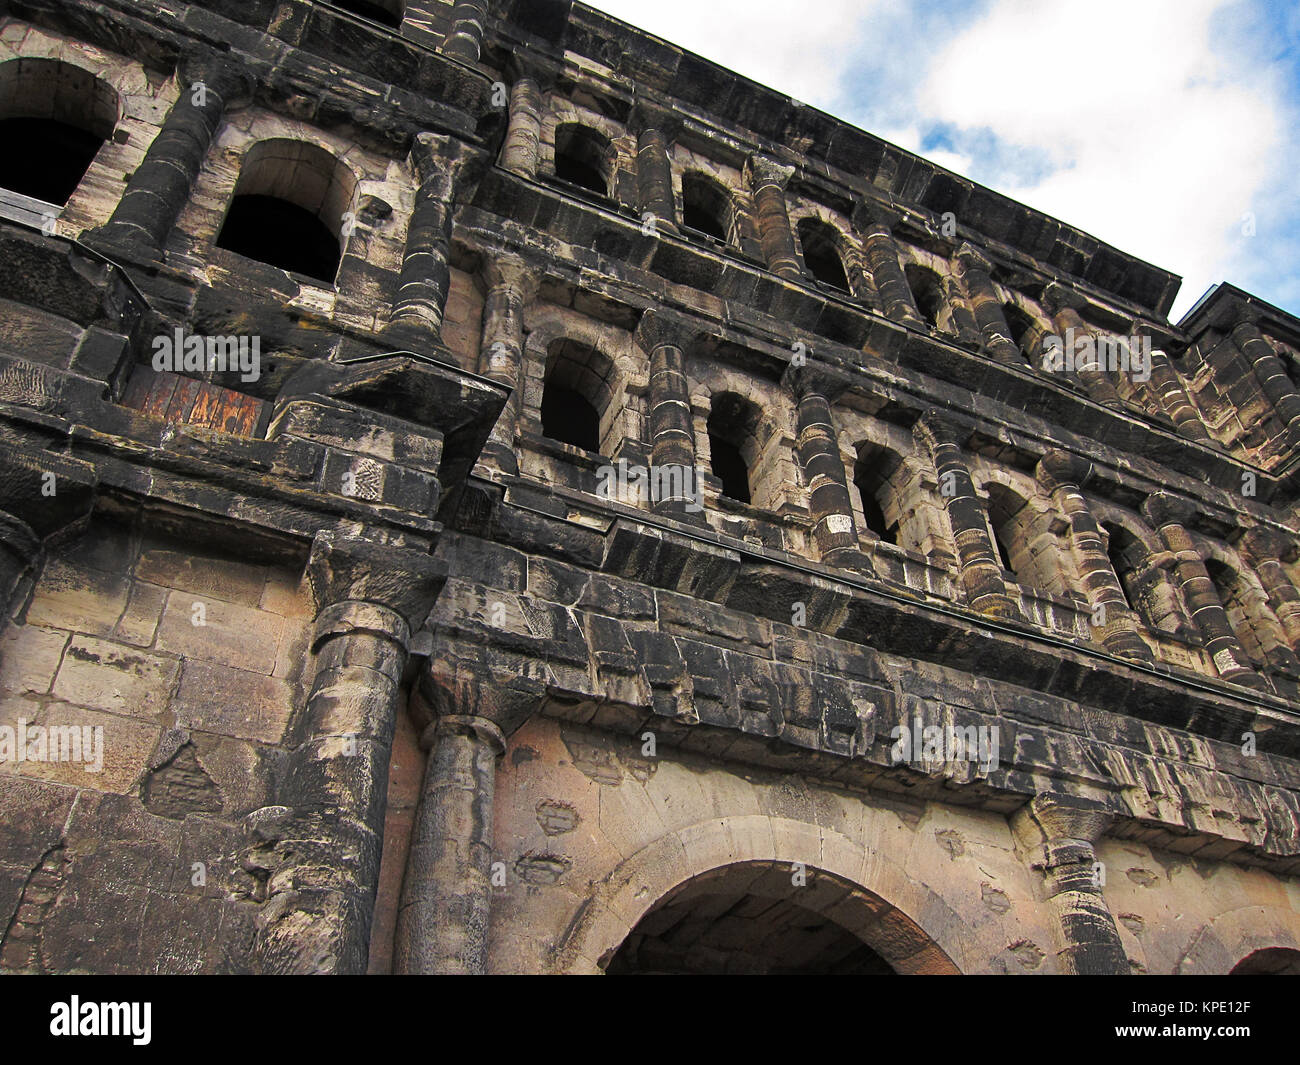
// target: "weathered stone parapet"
[[1063, 304], [768, 179], [976, 274], [977, 558], [1271, 374], [887, 277], [1266, 550], [1064, 475], [160, 186], [672, 438], [325, 865], [511, 285], [834, 529], [1169, 515], [446, 168], [465, 38], [1059, 833]]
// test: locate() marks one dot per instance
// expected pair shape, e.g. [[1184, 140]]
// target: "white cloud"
[[1159, 150], [803, 50]]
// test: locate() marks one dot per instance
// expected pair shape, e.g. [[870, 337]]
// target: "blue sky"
[[1169, 128]]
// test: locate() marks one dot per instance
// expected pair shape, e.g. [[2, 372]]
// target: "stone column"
[[672, 437], [327, 832], [834, 530], [465, 38], [1271, 373], [1064, 475], [160, 186], [442, 923], [1168, 515], [1063, 305], [524, 132], [975, 272], [964, 324], [977, 557], [1060, 833], [1167, 385], [1265, 550], [471, 707], [654, 172], [887, 276], [768, 178], [444, 166], [511, 285]]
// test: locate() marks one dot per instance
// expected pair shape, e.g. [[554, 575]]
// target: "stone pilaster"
[[445, 910], [522, 147], [160, 186], [1059, 834], [893, 292], [1271, 373], [672, 438], [1168, 515], [768, 179], [654, 172], [975, 272], [834, 530], [1064, 475], [977, 557], [1166, 384], [511, 285], [445, 168], [327, 834], [465, 38], [1063, 305], [1265, 550]]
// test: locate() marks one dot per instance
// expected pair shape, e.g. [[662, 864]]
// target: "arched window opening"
[[53, 119], [1269, 961], [582, 157], [576, 392], [288, 207], [1004, 512], [821, 254], [706, 207], [732, 428], [1020, 325], [871, 476], [1232, 594], [1123, 549], [385, 12], [927, 292]]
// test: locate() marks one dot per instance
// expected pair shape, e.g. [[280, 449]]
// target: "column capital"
[[762, 171], [464, 725], [1063, 469], [522, 66], [1051, 817], [1058, 297], [969, 257], [512, 272], [398, 580], [658, 329], [1162, 508], [222, 73], [437, 154], [814, 378], [1265, 544], [465, 679], [647, 115], [934, 428]]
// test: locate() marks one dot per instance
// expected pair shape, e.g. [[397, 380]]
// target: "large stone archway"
[[734, 865]]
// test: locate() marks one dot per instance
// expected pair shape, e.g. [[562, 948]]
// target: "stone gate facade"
[[484, 490]]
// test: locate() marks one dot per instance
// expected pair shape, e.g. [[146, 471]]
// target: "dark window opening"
[[1019, 323], [1004, 553], [821, 256], [705, 207], [569, 418], [874, 516], [729, 467], [282, 234], [581, 156], [1115, 549], [927, 292], [373, 12], [45, 159]]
